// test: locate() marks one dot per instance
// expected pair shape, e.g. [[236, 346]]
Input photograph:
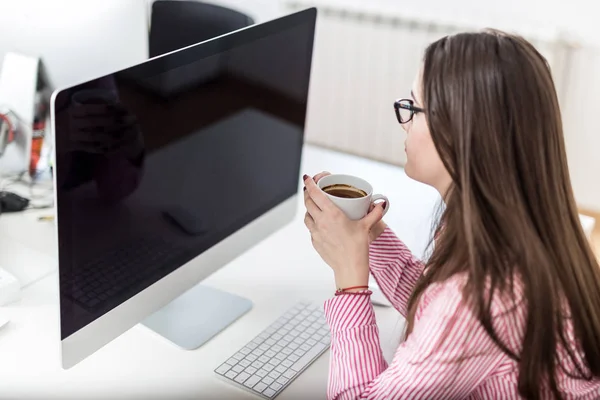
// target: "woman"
[[508, 304]]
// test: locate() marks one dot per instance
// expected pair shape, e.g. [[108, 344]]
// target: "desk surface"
[[275, 274]]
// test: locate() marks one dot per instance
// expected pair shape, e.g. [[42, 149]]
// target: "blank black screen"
[[157, 163]]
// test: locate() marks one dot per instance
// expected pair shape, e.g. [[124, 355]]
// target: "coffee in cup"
[[344, 191], [351, 194]]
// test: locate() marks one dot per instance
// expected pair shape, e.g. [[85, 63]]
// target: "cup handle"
[[381, 197]]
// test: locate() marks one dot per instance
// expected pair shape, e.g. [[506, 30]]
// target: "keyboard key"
[[276, 348], [289, 374], [270, 353], [293, 346], [269, 392], [244, 363], [310, 342], [281, 369], [274, 362], [257, 364], [270, 342], [262, 373], [276, 336], [268, 367], [238, 356], [287, 351], [231, 374], [304, 335], [252, 357], [299, 341], [304, 347], [253, 380], [281, 356], [294, 333], [222, 369], [274, 374], [241, 378], [311, 331], [283, 342], [282, 380], [257, 352], [287, 363], [268, 380], [231, 361], [293, 358], [264, 359], [264, 347], [245, 351], [238, 368], [275, 386], [299, 352], [304, 360], [260, 387], [250, 370]]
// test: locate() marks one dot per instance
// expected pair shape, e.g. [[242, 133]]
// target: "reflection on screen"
[[157, 164]]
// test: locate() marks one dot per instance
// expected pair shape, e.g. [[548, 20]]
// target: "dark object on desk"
[[11, 202], [178, 24]]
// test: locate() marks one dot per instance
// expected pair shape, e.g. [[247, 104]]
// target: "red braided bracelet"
[[345, 290], [363, 293]]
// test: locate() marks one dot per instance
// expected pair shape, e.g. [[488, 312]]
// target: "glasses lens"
[[405, 112]]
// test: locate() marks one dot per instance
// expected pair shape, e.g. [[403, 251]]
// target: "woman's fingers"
[[321, 175], [312, 209], [317, 196], [309, 222]]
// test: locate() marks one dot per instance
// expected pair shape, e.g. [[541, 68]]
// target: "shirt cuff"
[[347, 311]]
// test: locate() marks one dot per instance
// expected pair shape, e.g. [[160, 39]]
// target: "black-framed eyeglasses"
[[405, 110]]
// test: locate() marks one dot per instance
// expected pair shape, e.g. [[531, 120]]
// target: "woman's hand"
[[342, 243]]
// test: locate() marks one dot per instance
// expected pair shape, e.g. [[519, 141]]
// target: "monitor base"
[[193, 318]]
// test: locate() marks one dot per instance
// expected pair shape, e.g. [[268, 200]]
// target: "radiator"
[[365, 59]]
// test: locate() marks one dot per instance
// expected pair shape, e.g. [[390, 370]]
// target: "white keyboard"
[[273, 359]]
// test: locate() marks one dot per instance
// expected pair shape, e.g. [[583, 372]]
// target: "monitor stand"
[[197, 315]]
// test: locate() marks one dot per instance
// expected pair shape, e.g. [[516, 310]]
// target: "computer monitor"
[[168, 170]]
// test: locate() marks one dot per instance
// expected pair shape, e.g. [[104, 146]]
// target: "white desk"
[[140, 365]]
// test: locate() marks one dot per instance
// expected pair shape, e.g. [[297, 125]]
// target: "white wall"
[[76, 39]]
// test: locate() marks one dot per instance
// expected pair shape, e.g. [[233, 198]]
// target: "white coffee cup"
[[354, 208]]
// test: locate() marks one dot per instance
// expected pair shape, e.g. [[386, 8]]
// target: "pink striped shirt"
[[468, 365]]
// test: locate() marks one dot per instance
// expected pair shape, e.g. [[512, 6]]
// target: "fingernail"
[[305, 177]]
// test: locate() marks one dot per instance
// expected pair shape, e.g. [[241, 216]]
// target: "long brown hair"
[[494, 118]]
